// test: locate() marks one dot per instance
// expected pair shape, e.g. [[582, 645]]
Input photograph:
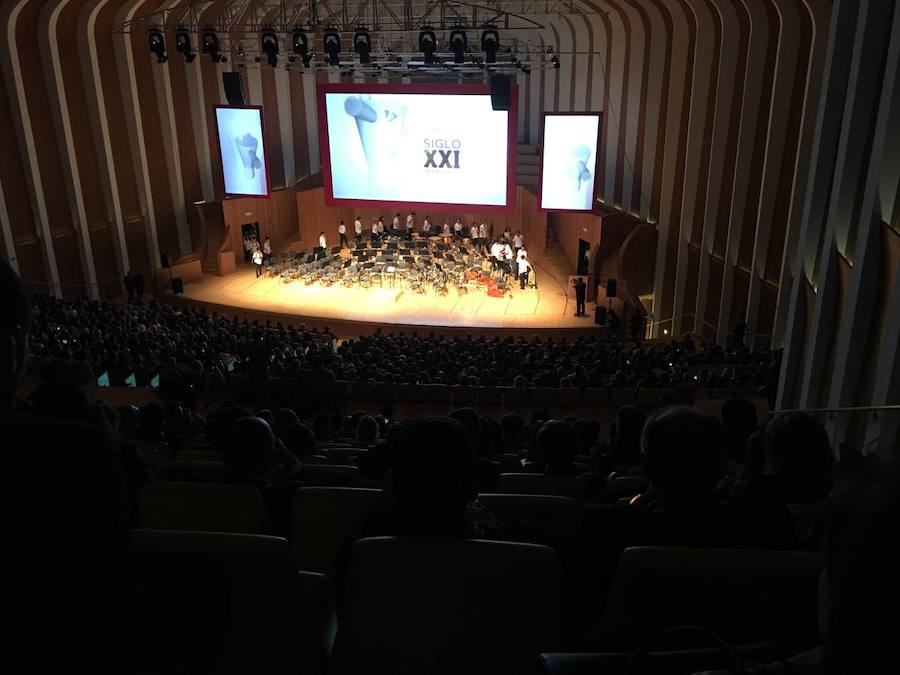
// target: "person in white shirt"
[[518, 242], [258, 261], [523, 268], [248, 248], [395, 223], [507, 258], [473, 234], [457, 229], [482, 236], [374, 231], [267, 250], [426, 226], [446, 231], [322, 242], [342, 231], [496, 254], [410, 224], [357, 228], [522, 253]]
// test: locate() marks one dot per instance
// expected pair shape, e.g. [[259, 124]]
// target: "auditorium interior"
[[501, 337]]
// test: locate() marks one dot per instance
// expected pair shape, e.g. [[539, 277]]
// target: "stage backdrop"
[[314, 216]]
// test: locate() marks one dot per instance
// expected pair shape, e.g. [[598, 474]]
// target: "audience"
[[72, 469]]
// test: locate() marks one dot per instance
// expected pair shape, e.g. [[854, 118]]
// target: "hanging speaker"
[[611, 288], [501, 92], [234, 88]]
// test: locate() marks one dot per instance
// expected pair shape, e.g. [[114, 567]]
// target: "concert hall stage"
[[354, 311]]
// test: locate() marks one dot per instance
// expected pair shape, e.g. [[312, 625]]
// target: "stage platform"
[[357, 311]]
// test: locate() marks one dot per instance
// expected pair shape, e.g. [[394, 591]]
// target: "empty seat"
[[228, 603], [209, 507], [745, 596], [575, 487], [323, 520], [448, 606]]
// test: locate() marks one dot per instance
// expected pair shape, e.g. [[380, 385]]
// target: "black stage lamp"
[[555, 61], [362, 45], [332, 45], [458, 44], [158, 45], [490, 43], [209, 42], [301, 47], [183, 44], [268, 45], [427, 43]]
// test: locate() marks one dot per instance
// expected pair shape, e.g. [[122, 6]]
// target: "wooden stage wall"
[[277, 218], [314, 216]]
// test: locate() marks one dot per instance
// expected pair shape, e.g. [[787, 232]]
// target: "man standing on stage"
[[580, 295], [410, 224], [518, 243], [323, 243], [380, 225], [395, 224], [426, 227], [507, 258], [267, 251], [473, 234], [342, 231], [374, 232], [457, 230], [357, 228], [258, 261], [524, 267], [482, 236]]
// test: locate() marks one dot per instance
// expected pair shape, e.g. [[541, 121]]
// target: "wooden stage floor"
[[544, 310]]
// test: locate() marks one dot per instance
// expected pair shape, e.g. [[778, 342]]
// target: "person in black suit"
[[580, 295]]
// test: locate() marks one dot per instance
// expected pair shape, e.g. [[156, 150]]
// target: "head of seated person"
[[471, 422], [249, 451], [282, 419], [626, 442], [512, 426], [152, 421], [61, 400], [682, 456], [432, 477], [557, 441], [300, 440], [799, 456], [321, 427], [366, 430]]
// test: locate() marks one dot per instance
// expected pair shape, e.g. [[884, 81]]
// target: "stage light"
[[362, 45], [555, 62], [210, 45], [490, 43], [458, 44], [183, 44], [158, 46], [332, 45], [427, 43], [268, 45], [301, 47]]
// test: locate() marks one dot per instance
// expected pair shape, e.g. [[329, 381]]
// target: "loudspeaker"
[[610, 288], [600, 315], [177, 285], [164, 259], [234, 88], [501, 92]]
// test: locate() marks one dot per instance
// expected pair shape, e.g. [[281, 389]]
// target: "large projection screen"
[[569, 161], [419, 145], [242, 149]]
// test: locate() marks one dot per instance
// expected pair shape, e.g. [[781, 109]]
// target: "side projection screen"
[[569, 161], [416, 144], [242, 148]]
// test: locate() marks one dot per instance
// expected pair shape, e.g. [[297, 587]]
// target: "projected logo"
[[441, 153]]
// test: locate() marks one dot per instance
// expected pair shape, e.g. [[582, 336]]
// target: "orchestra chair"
[[228, 604], [449, 606], [323, 520], [207, 507]]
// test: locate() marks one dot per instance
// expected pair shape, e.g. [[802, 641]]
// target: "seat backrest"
[[745, 596], [448, 606], [316, 459], [553, 521], [223, 603], [323, 520], [208, 507], [575, 487], [194, 470]]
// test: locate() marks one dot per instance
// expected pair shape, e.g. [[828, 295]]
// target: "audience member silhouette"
[[558, 443]]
